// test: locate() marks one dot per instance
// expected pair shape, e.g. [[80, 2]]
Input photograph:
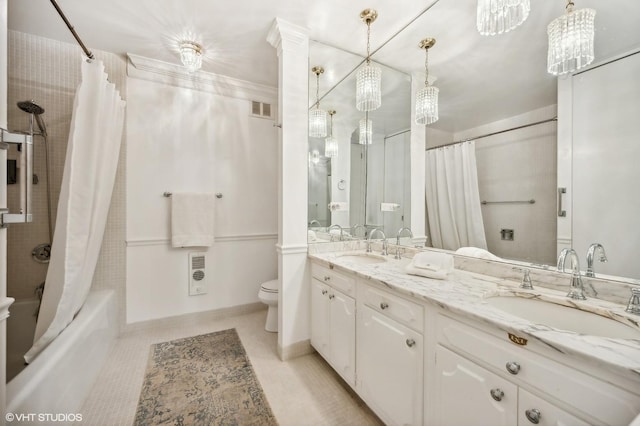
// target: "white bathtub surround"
[[59, 379], [85, 196], [292, 45], [192, 223], [453, 199], [464, 294]]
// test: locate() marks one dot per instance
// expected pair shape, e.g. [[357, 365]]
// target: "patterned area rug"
[[202, 380]]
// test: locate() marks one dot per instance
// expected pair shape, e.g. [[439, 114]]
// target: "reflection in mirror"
[[376, 176], [499, 86]]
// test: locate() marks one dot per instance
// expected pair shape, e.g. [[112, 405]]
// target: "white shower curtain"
[[453, 199], [85, 196]]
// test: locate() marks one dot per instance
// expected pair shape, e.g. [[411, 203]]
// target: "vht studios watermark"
[[43, 417]]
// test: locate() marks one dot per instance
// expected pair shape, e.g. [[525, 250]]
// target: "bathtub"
[[21, 326], [60, 378]]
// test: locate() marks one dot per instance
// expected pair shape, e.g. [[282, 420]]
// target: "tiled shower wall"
[[48, 72]]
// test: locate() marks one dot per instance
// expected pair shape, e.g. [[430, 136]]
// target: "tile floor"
[[303, 391]]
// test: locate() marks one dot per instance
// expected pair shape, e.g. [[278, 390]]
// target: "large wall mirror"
[[496, 91]]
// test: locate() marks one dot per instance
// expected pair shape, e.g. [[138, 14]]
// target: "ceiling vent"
[[260, 109]]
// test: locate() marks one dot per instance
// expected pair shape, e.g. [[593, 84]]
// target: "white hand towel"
[[477, 252], [431, 265], [192, 219]]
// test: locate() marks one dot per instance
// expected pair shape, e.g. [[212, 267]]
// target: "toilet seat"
[[270, 286]]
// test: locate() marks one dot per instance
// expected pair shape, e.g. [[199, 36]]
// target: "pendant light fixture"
[[427, 97], [368, 90], [331, 143], [366, 130], [191, 55], [501, 16], [571, 40], [317, 116], [315, 156]]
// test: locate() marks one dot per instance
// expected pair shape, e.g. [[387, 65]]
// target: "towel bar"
[[168, 194]]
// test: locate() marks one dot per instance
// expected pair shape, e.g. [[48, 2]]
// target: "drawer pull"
[[384, 305], [497, 394], [533, 415], [411, 343], [327, 278], [324, 292], [331, 296], [513, 367]]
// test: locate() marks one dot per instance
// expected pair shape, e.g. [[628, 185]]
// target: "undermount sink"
[[563, 317], [362, 258]]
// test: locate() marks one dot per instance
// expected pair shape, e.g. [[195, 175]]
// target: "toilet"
[[268, 294]]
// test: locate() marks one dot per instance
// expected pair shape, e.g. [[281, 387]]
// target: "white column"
[[418, 145], [5, 302], [292, 45], [564, 173]]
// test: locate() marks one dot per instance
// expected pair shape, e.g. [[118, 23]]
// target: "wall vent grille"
[[260, 109]]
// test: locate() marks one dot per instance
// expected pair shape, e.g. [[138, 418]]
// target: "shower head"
[[31, 107]]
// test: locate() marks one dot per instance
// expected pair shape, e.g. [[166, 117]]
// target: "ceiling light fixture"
[[317, 116], [427, 97], [191, 55], [368, 89], [571, 40], [331, 143], [501, 16], [366, 130]]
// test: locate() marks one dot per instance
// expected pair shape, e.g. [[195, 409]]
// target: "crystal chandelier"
[[317, 116], [571, 40], [191, 55], [366, 131], [368, 90], [427, 97], [501, 16], [331, 143]]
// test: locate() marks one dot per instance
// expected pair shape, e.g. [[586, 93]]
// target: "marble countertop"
[[465, 293]]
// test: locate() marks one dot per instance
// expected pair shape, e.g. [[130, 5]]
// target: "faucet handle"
[[634, 301], [526, 279]]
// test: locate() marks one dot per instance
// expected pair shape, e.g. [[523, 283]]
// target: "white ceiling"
[[480, 78]]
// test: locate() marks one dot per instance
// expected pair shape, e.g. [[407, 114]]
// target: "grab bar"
[[561, 211], [169, 194], [25, 143], [532, 201]]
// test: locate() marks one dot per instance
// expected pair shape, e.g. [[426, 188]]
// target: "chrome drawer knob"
[[497, 394], [411, 343], [331, 296], [324, 292], [513, 367], [384, 305], [533, 415], [327, 277]]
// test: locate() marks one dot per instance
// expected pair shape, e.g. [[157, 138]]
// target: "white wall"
[[183, 139], [3, 198], [519, 165]]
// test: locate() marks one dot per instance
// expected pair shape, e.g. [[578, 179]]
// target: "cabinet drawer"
[[402, 310], [343, 282], [590, 396]]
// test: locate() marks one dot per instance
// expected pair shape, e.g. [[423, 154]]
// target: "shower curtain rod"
[[495, 133], [73, 31]]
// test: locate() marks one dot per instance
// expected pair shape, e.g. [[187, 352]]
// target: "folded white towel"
[[192, 219], [477, 252], [431, 264], [311, 236]]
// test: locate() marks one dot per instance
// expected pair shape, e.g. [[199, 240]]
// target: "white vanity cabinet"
[[483, 378], [333, 319], [390, 355]]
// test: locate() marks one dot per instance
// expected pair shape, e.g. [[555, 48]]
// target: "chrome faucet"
[[590, 253], [577, 287], [634, 301], [355, 227], [399, 234], [384, 241], [335, 226], [314, 221]]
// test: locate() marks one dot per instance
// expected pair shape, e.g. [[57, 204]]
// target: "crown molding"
[[284, 35], [176, 75]]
